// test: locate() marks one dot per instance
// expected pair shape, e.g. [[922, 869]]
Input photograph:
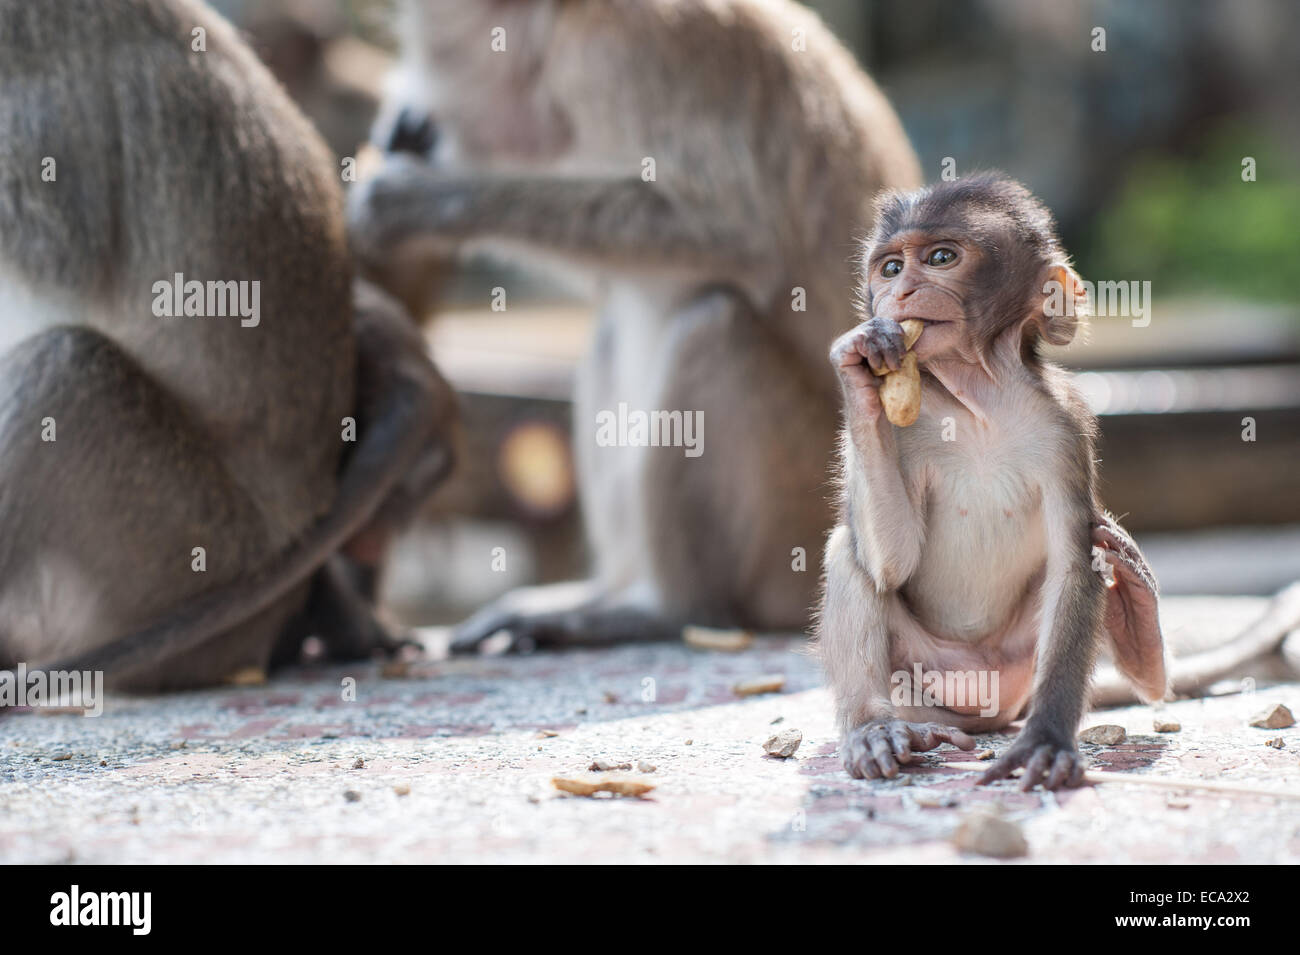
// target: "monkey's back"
[[797, 141], [173, 160]]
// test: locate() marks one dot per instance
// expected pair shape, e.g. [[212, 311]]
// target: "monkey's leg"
[[854, 642], [1132, 618], [735, 524], [717, 531], [109, 494], [579, 613], [344, 591], [341, 616], [1071, 619]]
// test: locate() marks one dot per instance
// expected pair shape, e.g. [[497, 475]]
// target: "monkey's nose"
[[414, 132]]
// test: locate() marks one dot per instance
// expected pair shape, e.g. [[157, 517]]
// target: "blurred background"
[[1138, 148]]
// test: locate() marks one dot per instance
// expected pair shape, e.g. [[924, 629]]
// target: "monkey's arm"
[[887, 525], [623, 221], [1070, 615]]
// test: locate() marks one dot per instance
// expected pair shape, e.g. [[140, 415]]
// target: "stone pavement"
[[452, 762]]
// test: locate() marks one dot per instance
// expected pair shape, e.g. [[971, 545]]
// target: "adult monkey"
[[701, 166], [966, 538], [140, 139]]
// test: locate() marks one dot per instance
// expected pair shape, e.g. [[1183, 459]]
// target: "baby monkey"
[[971, 545]]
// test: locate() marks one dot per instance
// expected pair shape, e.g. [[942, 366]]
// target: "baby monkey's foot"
[[876, 749], [1052, 762]]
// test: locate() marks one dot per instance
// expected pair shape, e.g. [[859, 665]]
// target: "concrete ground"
[[452, 761]]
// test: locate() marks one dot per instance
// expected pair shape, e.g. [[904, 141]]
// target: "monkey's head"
[[972, 258]]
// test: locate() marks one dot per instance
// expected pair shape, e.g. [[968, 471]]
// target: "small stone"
[[985, 834], [247, 676], [928, 799], [1276, 717], [706, 638], [784, 744], [546, 734], [581, 711], [103, 762], [610, 697], [1177, 802], [643, 767], [779, 719], [770, 683], [62, 757], [1107, 734], [359, 763], [985, 754], [1276, 742], [689, 742], [395, 669], [607, 765], [589, 787], [402, 789], [351, 795], [1166, 726]]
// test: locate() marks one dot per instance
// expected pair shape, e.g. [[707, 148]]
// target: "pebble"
[[932, 800], [359, 763], [643, 767], [706, 638], [988, 835], [784, 744], [769, 683], [1276, 742], [607, 765], [395, 669], [1108, 734], [1166, 726], [1276, 717], [247, 676], [589, 787], [402, 789], [351, 795]]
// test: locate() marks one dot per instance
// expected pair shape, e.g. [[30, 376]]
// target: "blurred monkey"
[[170, 483], [700, 168]]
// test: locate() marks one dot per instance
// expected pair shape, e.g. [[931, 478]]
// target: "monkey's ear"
[[1064, 305]]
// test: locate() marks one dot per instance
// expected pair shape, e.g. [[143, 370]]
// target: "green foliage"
[[1191, 223]]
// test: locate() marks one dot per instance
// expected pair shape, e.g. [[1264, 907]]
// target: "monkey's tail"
[[395, 437]]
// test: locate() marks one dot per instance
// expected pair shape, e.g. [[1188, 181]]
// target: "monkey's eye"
[[941, 257], [891, 268]]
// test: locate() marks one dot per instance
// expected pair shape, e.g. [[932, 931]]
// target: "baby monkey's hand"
[[860, 357], [876, 749]]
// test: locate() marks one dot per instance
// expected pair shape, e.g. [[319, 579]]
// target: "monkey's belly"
[[985, 550], [977, 685]]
